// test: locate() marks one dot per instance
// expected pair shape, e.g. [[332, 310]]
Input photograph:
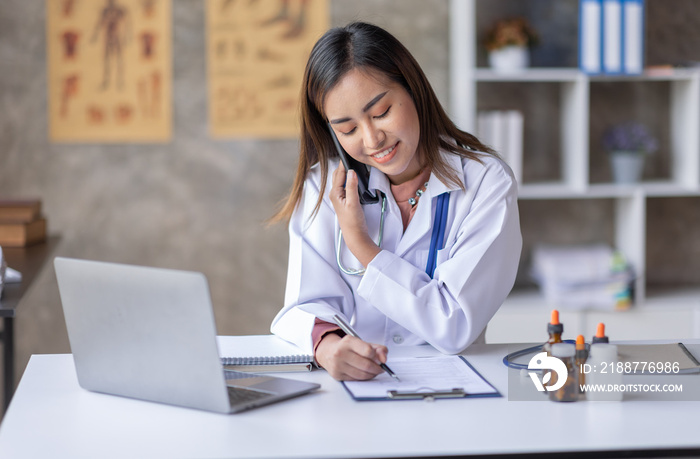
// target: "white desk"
[[51, 416]]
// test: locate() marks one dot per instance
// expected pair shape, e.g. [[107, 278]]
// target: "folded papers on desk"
[[646, 358], [448, 376]]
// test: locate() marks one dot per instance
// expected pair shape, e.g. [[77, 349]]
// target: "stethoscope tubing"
[[436, 240], [360, 272], [508, 360]]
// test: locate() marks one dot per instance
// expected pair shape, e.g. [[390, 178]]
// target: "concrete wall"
[[200, 204], [194, 203]]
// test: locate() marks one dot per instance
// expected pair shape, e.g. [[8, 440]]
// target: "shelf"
[[550, 190], [559, 190], [648, 189], [532, 74], [530, 299], [651, 75], [564, 75]]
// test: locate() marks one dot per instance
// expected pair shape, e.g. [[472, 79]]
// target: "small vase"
[[627, 166], [510, 59]]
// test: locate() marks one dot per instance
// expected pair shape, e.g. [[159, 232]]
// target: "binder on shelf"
[[590, 36], [633, 36], [612, 36]]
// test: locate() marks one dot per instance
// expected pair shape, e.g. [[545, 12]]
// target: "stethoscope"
[[509, 360], [436, 239]]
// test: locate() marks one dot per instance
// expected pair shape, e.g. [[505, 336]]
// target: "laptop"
[[149, 334]]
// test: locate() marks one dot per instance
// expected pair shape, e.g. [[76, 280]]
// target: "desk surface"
[[51, 416]]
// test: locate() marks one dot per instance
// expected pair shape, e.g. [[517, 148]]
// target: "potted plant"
[[628, 144], [507, 43]]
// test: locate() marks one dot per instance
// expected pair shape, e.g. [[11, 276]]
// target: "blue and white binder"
[[612, 36], [633, 36], [590, 36]]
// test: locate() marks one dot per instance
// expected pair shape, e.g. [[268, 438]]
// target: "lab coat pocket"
[[420, 259], [443, 255]]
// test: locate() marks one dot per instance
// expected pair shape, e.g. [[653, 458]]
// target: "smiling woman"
[[377, 123], [448, 220]]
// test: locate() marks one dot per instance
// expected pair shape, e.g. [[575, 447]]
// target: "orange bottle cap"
[[600, 332], [580, 343], [555, 317]]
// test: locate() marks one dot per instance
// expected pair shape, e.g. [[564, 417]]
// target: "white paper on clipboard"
[[423, 374]]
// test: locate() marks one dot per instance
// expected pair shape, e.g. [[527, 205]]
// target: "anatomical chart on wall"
[[257, 52], [109, 70]]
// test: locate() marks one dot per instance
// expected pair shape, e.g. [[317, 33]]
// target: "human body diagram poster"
[[110, 71], [257, 51]]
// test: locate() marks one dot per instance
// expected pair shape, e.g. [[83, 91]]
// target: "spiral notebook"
[[262, 354]]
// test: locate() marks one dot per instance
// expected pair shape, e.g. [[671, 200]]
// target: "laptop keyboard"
[[233, 374], [240, 395]]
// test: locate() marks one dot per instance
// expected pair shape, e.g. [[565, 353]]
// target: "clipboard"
[[424, 378]]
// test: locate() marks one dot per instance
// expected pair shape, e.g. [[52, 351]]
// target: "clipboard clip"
[[427, 396]]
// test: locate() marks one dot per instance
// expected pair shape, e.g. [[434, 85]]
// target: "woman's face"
[[376, 122]]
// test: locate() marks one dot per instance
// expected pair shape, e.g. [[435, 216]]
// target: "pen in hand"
[[350, 331]]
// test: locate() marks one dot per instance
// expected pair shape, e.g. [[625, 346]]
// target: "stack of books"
[[21, 222], [583, 277], [502, 130]]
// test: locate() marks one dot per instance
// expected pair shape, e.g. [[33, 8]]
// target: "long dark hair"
[[371, 48]]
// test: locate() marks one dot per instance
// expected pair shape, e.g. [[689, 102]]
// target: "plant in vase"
[[507, 43], [628, 144]]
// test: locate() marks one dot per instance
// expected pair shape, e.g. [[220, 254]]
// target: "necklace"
[[413, 201]]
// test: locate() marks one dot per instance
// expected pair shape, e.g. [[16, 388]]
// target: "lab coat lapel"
[[421, 226]]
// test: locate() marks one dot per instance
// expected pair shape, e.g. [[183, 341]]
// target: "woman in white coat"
[[435, 185]]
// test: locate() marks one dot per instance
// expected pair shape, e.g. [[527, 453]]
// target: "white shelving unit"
[[574, 94], [574, 87]]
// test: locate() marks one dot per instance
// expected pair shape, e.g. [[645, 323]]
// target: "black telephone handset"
[[366, 197]]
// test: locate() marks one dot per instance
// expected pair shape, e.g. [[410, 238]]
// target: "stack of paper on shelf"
[[502, 130], [582, 277], [21, 222], [611, 36]]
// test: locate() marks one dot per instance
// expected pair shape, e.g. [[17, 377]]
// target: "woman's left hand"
[[346, 202]]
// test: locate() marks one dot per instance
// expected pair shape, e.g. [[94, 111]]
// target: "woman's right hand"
[[349, 358], [351, 217]]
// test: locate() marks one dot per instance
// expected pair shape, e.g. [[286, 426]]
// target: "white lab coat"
[[396, 302]]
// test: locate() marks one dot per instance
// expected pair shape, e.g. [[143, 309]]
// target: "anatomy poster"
[[109, 70], [257, 51]]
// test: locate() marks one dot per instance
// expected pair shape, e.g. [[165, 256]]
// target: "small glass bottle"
[[581, 357], [569, 391], [600, 336], [605, 374], [555, 329]]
